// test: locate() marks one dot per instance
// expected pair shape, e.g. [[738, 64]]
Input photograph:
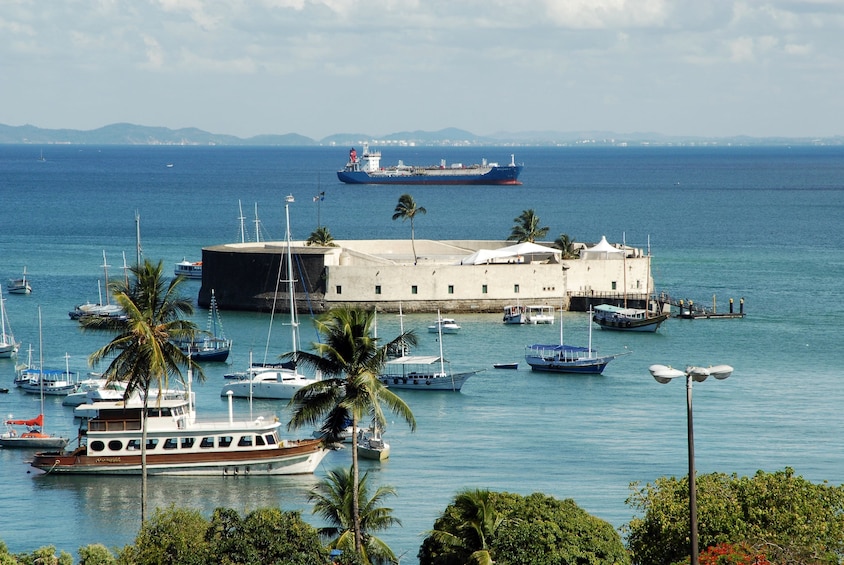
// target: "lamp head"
[[663, 374], [698, 374], [721, 371]]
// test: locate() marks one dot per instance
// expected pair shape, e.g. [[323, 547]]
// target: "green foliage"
[[509, 529], [332, 499], [785, 517], [143, 352], [407, 209], [527, 228], [175, 535], [350, 359], [566, 245], [42, 556], [96, 554], [321, 237]]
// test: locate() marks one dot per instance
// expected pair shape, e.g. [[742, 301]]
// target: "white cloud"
[[315, 64]]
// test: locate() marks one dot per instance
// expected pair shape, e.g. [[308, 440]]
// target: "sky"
[[318, 67]]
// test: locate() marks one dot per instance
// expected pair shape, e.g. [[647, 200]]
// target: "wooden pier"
[[687, 309]]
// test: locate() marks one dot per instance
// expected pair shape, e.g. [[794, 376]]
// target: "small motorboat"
[[505, 365], [444, 325]]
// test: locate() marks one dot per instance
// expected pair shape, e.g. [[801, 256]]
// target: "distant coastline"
[[132, 134]]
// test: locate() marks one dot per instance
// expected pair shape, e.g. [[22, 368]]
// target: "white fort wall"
[[383, 273]]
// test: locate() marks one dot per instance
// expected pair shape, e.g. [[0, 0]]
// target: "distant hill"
[[132, 134]]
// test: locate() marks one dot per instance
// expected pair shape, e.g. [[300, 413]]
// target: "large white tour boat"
[[178, 444]]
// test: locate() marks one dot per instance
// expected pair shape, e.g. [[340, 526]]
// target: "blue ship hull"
[[495, 176]]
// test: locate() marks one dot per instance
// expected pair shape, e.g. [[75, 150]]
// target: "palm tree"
[[351, 359], [333, 501], [406, 209], [322, 237], [527, 228], [145, 355], [475, 521], [566, 245]]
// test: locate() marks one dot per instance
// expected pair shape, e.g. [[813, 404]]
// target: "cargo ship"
[[367, 169]]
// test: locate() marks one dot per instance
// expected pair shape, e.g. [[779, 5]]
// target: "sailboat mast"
[[3, 315], [105, 271], [242, 222], [138, 251], [294, 326], [624, 247], [41, 368], [257, 225]]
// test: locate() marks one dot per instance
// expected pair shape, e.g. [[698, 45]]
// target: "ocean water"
[[761, 224]]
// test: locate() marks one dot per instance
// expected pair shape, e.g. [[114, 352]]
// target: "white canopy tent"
[[603, 250], [528, 251]]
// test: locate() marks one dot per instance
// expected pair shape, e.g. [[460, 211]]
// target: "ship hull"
[[496, 176]]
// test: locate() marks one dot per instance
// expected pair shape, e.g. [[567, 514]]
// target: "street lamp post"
[[664, 374]]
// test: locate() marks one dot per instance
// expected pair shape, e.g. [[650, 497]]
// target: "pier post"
[[741, 305], [731, 305]]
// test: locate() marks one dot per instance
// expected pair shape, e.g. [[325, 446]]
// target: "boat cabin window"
[[245, 441], [259, 441], [152, 443], [97, 445], [207, 442], [171, 443], [115, 445], [224, 441], [187, 442], [133, 444], [271, 439]]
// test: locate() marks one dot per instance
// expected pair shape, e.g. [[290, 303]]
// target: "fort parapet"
[[452, 276]]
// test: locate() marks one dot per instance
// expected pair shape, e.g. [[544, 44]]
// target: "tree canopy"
[[527, 228], [783, 516], [333, 501], [407, 209], [484, 527]]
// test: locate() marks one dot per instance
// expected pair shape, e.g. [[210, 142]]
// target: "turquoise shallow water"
[[762, 224]]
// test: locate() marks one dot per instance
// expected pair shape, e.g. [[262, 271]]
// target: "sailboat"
[[8, 345], [277, 381], [423, 372], [101, 309], [19, 286], [624, 319], [371, 445], [563, 358], [213, 344], [34, 436]]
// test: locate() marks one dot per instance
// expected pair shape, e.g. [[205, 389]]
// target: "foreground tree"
[[143, 353], [526, 228], [350, 359], [332, 499], [482, 527], [184, 537], [781, 516], [265, 535], [407, 209]]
